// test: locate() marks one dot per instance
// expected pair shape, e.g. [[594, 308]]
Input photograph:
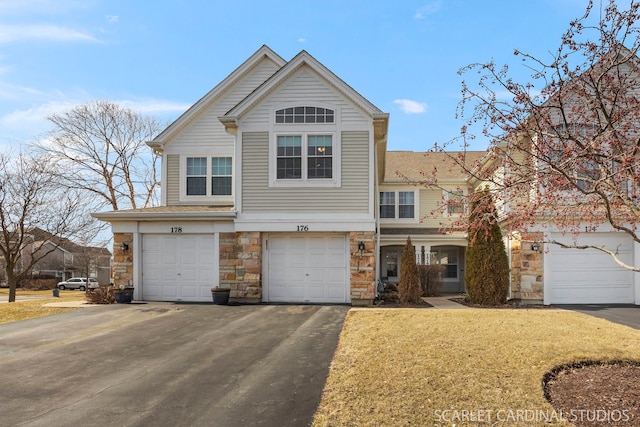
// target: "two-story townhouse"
[[575, 162], [269, 186], [422, 197]]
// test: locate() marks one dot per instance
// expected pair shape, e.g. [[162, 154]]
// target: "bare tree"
[[99, 148], [29, 199], [564, 145]]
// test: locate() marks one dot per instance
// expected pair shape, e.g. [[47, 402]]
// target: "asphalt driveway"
[[165, 364], [624, 314]]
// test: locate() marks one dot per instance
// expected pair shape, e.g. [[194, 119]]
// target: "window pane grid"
[[320, 164], [219, 178], [305, 115]]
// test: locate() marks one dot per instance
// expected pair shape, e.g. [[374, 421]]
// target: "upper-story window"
[[397, 204], [209, 176], [304, 156], [305, 148], [305, 115], [454, 201]]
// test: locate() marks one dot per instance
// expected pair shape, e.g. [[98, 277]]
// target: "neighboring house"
[[410, 207], [572, 145], [277, 184], [66, 259]]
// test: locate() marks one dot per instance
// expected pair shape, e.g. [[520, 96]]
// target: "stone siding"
[[363, 268], [122, 270], [527, 269], [241, 265]]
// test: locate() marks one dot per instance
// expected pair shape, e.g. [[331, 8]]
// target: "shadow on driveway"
[[624, 314], [168, 364]]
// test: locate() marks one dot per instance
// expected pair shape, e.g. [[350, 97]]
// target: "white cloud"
[[411, 107], [302, 40], [428, 9], [11, 33], [112, 18]]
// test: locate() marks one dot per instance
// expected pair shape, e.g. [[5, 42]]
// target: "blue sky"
[[159, 57]]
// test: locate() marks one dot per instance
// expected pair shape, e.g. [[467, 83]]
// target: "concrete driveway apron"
[[165, 364]]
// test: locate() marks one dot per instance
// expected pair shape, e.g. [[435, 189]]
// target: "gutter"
[[154, 216]]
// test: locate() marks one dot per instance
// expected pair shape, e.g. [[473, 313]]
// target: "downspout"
[[376, 200]]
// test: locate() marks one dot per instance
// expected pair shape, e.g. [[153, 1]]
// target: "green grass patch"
[[436, 367]]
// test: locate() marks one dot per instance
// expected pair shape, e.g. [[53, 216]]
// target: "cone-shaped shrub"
[[487, 265], [409, 290]]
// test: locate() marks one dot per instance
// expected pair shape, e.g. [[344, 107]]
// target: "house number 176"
[[303, 228]]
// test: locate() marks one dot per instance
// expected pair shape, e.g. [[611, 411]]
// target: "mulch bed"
[[508, 304], [596, 393], [395, 304]]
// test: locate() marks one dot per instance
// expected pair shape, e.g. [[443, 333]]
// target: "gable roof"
[[42, 237], [380, 119], [419, 166], [264, 52]]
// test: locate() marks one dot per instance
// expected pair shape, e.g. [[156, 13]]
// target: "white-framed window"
[[306, 159], [398, 205], [305, 115], [305, 147], [207, 177], [454, 202], [447, 257]]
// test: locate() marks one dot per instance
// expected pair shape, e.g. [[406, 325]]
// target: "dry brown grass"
[[20, 310], [406, 367]]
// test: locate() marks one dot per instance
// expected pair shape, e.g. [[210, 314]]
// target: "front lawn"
[[423, 367], [27, 309]]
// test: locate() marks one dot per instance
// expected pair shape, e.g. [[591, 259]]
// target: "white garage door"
[[307, 268], [588, 276], [178, 268]]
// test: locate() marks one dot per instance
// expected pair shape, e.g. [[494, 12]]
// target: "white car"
[[81, 283]]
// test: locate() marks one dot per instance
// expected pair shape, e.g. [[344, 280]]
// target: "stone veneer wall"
[[241, 265], [122, 270], [527, 269], [363, 268]]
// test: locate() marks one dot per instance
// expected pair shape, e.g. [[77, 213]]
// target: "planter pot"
[[220, 295], [123, 296]]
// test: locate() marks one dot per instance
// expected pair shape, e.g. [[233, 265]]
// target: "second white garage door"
[[307, 268], [179, 268], [588, 276]]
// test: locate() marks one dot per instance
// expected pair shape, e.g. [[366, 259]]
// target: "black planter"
[[220, 295], [123, 296]]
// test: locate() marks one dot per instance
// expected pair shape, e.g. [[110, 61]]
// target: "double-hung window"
[[397, 204], [209, 176], [306, 148], [304, 157]]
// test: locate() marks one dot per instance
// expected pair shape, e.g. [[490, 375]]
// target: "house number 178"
[[176, 229]]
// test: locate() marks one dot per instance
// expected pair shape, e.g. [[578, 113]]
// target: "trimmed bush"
[[430, 279], [409, 291], [487, 264]]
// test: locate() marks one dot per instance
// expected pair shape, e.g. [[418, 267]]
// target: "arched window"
[[305, 115]]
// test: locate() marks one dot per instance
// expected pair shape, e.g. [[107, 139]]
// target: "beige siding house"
[[278, 184], [268, 187]]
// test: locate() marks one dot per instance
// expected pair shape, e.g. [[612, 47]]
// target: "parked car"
[[81, 283]]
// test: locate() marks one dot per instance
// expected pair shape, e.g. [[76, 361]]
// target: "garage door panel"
[[309, 268], [589, 276], [178, 268]]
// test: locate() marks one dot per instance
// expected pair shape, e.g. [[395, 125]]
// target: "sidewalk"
[[444, 302]]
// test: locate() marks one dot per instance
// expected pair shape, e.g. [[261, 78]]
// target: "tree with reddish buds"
[[565, 145]]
